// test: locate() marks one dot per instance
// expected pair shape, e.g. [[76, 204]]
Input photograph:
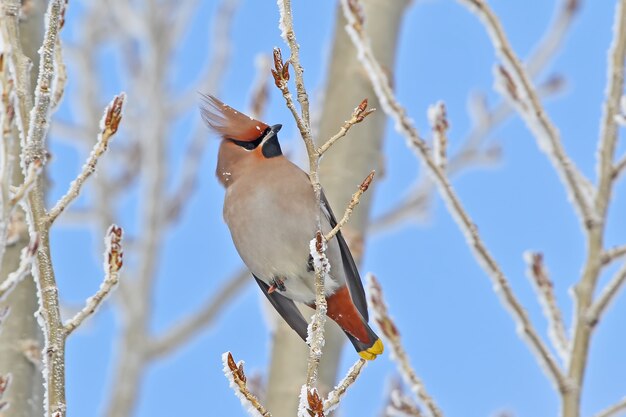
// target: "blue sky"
[[461, 341]]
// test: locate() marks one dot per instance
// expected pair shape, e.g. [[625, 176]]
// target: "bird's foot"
[[277, 284]]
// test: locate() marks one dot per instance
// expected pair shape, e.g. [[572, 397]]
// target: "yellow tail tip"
[[370, 353]]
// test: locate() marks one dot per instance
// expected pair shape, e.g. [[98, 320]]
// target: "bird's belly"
[[272, 238]]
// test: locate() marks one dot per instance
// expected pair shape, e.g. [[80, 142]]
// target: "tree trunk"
[[342, 170]]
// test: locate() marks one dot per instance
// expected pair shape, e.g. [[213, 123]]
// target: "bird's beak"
[[273, 132]]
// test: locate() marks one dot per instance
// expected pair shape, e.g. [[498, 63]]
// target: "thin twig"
[[109, 125], [356, 197], [517, 86], [399, 355], [289, 36], [43, 273], [418, 145], [39, 120], [237, 378], [318, 244], [358, 115], [401, 406], [607, 141], [615, 410], [545, 293], [182, 332], [613, 254], [113, 260], [612, 288], [334, 397], [438, 120], [27, 256], [22, 191], [586, 313]]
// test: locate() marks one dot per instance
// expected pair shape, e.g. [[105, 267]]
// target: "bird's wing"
[[286, 308], [353, 279]]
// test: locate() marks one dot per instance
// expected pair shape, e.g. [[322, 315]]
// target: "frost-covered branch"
[[400, 405], [438, 119], [399, 355], [607, 142], [39, 120], [613, 254], [334, 397], [22, 191], [358, 115], [608, 293], [113, 260], [108, 125], [356, 197], [317, 245], [545, 293], [418, 145], [27, 256], [289, 36], [515, 83], [615, 410], [237, 379]]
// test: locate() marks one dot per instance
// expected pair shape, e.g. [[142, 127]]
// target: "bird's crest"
[[229, 122]]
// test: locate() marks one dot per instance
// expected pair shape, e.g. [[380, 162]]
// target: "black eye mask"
[[270, 148]]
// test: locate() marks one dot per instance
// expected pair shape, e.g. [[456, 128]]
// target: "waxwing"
[[271, 210]]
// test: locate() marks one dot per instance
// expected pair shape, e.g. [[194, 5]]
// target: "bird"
[[271, 211]]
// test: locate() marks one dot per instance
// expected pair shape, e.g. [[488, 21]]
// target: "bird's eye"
[[246, 144]]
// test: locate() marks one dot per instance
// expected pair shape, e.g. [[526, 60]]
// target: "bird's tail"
[[369, 350]]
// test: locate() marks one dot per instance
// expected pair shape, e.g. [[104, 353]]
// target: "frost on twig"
[[613, 254], [21, 192], [334, 397], [311, 404], [315, 336], [358, 115], [438, 119], [113, 261], [108, 127], [545, 293], [414, 141], [513, 81], [400, 405], [398, 354], [608, 293], [237, 379], [27, 256], [356, 197]]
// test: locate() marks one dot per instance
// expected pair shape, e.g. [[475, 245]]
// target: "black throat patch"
[[271, 147]]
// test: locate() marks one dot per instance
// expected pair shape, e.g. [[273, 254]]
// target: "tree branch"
[[545, 294], [455, 207], [27, 256], [335, 396], [353, 203], [399, 355], [235, 375], [597, 309], [108, 125], [516, 85], [113, 260]]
